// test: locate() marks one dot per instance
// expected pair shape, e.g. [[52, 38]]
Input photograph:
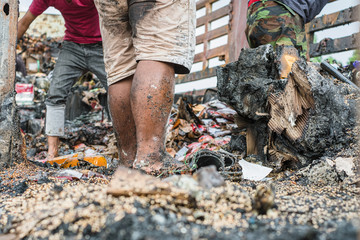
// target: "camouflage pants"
[[271, 22]]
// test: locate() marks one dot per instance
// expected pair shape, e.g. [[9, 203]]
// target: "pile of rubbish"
[[198, 135], [203, 126], [232, 192], [351, 71], [38, 54], [294, 112], [36, 58], [196, 132]]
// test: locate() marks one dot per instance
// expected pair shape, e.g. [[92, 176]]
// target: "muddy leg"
[[123, 121], [152, 94]]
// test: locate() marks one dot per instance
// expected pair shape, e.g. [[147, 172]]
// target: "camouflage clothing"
[[272, 22]]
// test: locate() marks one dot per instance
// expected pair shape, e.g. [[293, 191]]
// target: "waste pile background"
[[70, 196]]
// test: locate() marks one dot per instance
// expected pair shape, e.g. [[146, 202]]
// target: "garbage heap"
[[293, 111], [36, 58], [89, 138], [38, 54], [274, 109]]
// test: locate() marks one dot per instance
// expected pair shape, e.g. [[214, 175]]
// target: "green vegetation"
[[354, 57]]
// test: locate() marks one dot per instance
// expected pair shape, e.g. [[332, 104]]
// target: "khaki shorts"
[[157, 30]]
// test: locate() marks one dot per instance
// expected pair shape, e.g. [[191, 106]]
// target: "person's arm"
[[24, 23]]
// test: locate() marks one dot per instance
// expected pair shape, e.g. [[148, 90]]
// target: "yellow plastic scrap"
[[72, 162], [65, 161], [96, 160]]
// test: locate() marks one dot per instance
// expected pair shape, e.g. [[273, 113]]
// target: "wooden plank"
[[345, 16], [202, 3], [199, 57], [309, 40], [237, 39], [328, 46], [224, 11], [207, 28], [216, 52], [211, 53], [218, 32], [207, 73], [9, 127]]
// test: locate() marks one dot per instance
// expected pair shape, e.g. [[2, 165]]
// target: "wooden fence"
[[328, 46], [236, 10]]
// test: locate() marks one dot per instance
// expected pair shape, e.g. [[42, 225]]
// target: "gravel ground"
[[53, 208]]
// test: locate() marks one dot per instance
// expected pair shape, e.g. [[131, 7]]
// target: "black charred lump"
[[293, 112]]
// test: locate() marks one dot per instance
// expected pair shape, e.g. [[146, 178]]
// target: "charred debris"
[[272, 153], [294, 112]]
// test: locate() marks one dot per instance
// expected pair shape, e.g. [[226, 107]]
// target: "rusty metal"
[[9, 131], [334, 72]]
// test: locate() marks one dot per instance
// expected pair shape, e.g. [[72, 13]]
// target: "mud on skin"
[[159, 112]]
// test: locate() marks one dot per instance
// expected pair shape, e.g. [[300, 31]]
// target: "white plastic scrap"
[[345, 164], [180, 155], [253, 171], [69, 173]]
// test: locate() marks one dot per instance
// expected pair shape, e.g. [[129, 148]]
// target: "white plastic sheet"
[[253, 171]]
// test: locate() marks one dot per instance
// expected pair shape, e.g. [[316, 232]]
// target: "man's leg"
[[123, 120], [152, 94], [282, 26], [53, 145], [68, 68], [95, 63], [143, 101], [154, 34]]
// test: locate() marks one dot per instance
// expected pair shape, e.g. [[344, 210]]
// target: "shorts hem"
[[179, 68], [119, 78]]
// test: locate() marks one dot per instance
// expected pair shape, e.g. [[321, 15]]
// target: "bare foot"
[[152, 163], [157, 163], [53, 142], [148, 167]]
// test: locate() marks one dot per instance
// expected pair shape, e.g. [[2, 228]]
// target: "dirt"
[[63, 209]]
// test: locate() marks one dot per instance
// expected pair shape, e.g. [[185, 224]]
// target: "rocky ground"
[[35, 204], [40, 201]]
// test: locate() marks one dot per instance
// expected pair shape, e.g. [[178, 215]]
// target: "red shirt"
[[252, 1], [81, 18]]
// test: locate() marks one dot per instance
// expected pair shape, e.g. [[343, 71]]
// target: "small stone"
[[199, 215], [208, 177], [57, 188], [159, 219]]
